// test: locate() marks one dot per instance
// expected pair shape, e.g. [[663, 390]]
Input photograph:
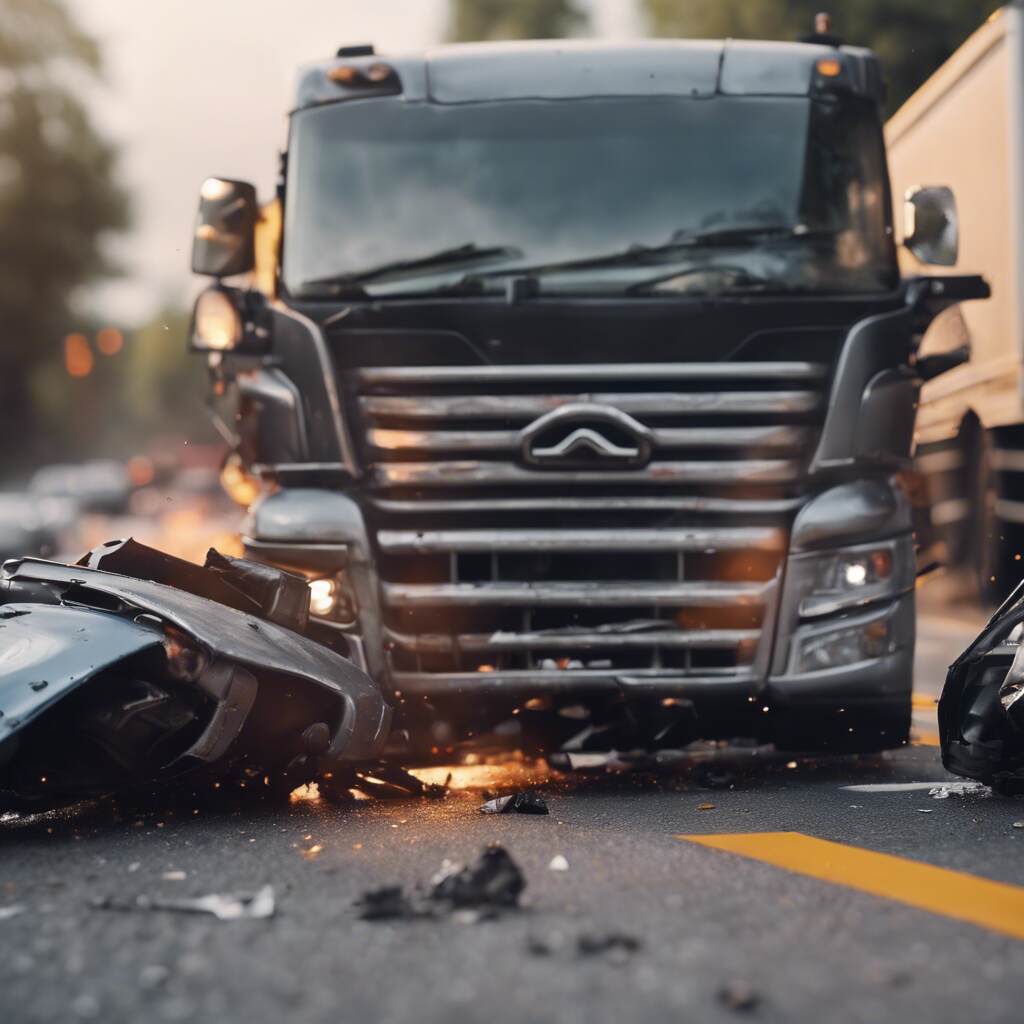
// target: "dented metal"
[[110, 683]]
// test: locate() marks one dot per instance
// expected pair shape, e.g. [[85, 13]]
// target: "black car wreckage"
[[981, 711], [133, 670]]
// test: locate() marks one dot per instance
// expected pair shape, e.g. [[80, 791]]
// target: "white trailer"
[[965, 128]]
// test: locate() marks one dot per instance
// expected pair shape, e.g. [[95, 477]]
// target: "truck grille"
[[559, 526]]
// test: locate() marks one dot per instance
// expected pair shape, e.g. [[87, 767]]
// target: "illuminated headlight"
[[817, 650], [323, 596], [847, 578], [216, 323]]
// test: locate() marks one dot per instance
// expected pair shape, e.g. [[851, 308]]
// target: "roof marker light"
[[829, 67]]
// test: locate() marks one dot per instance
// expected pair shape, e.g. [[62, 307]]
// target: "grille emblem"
[[584, 436]]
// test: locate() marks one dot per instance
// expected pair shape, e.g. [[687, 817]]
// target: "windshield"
[[609, 195]]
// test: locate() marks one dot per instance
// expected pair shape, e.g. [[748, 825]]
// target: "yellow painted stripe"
[[988, 904], [924, 738], [923, 702]]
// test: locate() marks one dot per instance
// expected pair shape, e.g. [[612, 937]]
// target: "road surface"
[[734, 921]]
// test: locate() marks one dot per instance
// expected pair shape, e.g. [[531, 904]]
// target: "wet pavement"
[[703, 933]]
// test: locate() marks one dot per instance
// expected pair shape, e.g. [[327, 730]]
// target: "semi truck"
[[965, 127], [580, 380]]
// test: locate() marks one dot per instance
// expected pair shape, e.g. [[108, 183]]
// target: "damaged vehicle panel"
[[981, 710], [550, 458], [112, 683]]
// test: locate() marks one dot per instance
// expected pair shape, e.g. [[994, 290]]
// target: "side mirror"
[[224, 242], [931, 229]]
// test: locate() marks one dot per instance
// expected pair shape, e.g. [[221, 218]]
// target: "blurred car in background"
[[100, 485], [33, 526]]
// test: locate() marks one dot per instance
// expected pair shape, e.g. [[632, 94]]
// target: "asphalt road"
[[795, 947]]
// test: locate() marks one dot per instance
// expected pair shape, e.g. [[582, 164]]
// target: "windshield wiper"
[[353, 281], [681, 241]]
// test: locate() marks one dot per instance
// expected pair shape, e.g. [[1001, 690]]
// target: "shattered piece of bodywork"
[[388, 903], [948, 789], [739, 997], [617, 945], [388, 780], [558, 863], [248, 586], [981, 713], [494, 880], [223, 906], [152, 685], [6, 913], [523, 802], [713, 776]]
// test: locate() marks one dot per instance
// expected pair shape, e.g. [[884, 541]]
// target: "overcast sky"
[[200, 87]]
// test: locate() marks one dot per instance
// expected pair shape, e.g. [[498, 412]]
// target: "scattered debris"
[[739, 997], [6, 913], [898, 787], [495, 879], [705, 807], [388, 903], [714, 776], [558, 863], [618, 946], [471, 893], [948, 789], [174, 876], [523, 802], [1018, 824], [223, 906]]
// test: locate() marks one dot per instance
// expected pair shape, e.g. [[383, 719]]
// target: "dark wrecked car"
[[133, 669], [981, 711]]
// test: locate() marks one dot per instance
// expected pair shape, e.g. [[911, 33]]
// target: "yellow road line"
[[924, 738], [955, 894], [923, 702]]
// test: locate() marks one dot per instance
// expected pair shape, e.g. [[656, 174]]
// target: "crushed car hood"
[[111, 682]]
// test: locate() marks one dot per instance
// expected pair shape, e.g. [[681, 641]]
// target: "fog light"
[[323, 596], [839, 647]]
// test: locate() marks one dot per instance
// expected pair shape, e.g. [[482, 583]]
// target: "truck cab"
[[581, 383]]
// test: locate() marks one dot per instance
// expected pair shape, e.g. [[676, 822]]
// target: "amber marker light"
[[829, 67], [345, 75]]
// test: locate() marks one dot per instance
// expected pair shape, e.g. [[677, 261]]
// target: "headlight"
[[843, 579], [216, 323], [322, 597]]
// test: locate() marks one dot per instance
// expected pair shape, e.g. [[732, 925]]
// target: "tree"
[[912, 37], [58, 199], [475, 20]]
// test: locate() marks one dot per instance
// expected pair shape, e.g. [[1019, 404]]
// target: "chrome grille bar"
[[465, 473], [587, 594], [712, 639], [665, 437], [383, 375], [722, 539], [528, 407]]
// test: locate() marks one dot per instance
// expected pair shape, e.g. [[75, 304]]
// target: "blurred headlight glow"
[[322, 596], [216, 325]]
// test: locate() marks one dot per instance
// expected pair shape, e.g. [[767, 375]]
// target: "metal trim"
[[377, 375], [474, 472], [722, 539], [716, 403], [604, 594]]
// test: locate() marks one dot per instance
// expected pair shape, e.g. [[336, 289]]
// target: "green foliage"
[[58, 197], [912, 37], [475, 20]]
